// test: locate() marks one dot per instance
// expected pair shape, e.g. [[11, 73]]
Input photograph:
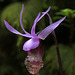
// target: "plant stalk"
[[58, 53]]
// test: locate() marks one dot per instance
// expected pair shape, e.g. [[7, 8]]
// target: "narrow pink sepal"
[[21, 20], [11, 29], [44, 13], [34, 25], [45, 32]]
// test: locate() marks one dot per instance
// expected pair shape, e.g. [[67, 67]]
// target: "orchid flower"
[[34, 46]]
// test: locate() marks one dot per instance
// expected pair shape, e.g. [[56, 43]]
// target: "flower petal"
[[11, 29], [37, 19], [45, 32], [34, 25], [31, 44], [21, 20], [44, 13], [50, 20]]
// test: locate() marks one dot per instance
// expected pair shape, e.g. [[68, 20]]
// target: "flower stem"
[[58, 54]]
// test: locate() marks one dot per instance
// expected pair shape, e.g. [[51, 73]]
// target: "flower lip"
[[31, 44]]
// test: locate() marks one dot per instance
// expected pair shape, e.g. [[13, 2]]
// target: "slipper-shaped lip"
[[31, 44]]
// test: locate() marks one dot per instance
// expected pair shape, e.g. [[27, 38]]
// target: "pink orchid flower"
[[34, 46]]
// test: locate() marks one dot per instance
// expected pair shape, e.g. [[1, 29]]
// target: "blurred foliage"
[[1, 0], [68, 60], [11, 65], [67, 12], [69, 22], [47, 3]]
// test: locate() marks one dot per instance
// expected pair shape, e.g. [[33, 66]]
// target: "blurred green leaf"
[[70, 15], [53, 7], [67, 57], [73, 15], [1, 0], [66, 12]]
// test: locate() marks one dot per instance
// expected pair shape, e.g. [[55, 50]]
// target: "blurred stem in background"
[[71, 30], [58, 53]]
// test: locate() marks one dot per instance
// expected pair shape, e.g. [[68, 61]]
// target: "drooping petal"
[[45, 32], [34, 25], [31, 44], [11, 29], [21, 20], [44, 13]]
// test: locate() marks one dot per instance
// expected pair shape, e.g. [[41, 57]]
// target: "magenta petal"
[[11, 29], [36, 20], [21, 20], [34, 25], [44, 13], [31, 44], [45, 32]]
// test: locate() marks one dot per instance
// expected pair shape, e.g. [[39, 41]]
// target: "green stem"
[[58, 53]]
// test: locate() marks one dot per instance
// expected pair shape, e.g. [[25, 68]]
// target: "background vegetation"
[[11, 54]]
